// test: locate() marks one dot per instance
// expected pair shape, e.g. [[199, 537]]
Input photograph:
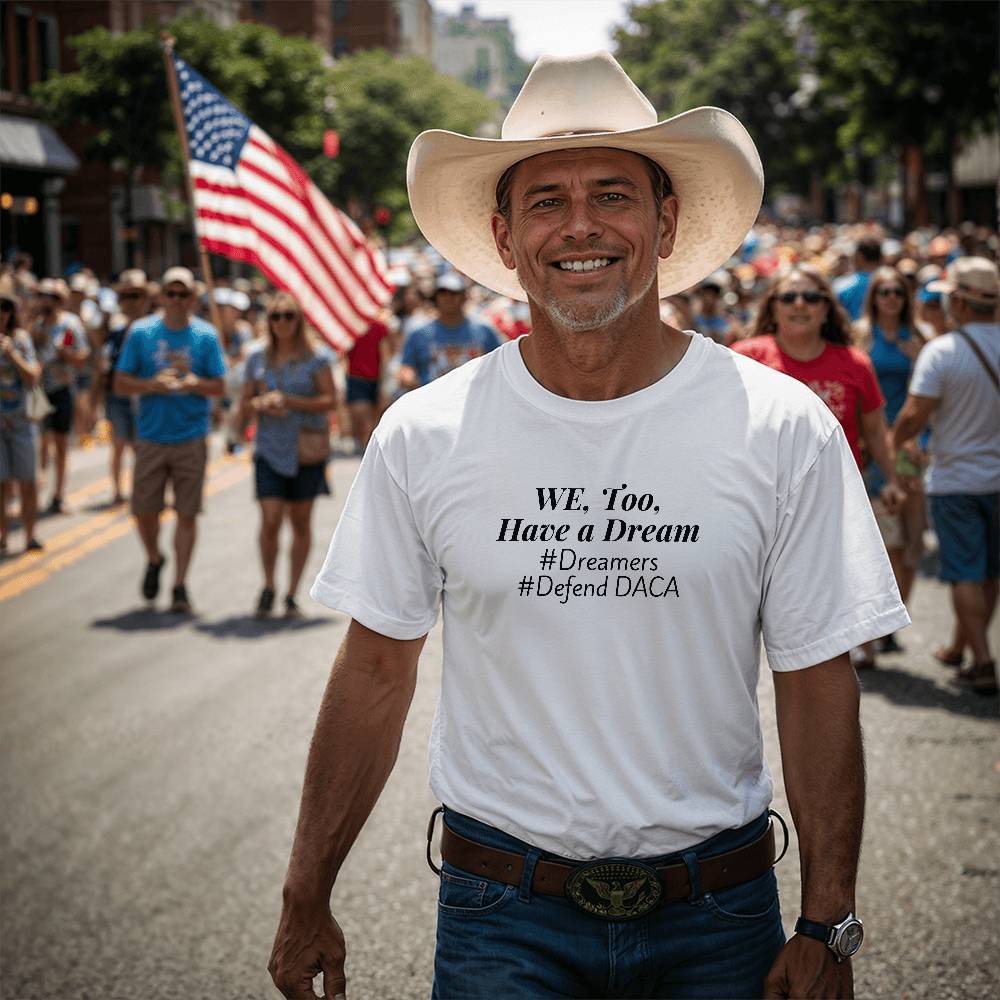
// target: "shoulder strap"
[[982, 358]]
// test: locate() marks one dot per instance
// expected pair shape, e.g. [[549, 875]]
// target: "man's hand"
[[807, 968], [893, 496], [6, 345], [164, 381], [308, 942]]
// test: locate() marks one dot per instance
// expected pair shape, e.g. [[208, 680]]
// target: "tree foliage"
[[286, 85], [822, 84], [916, 72], [741, 55]]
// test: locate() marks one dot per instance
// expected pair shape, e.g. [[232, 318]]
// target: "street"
[[153, 765]]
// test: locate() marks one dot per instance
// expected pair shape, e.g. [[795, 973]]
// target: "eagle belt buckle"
[[614, 889]]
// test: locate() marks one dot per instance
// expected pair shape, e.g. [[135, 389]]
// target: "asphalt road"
[[152, 767]]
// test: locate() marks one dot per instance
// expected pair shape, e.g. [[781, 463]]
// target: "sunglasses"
[[135, 296], [287, 316], [810, 297], [884, 293], [177, 295]]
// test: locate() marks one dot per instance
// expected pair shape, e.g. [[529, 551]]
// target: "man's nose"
[[581, 221]]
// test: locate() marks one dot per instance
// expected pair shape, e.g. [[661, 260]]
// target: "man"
[[62, 348], [955, 386], [447, 341], [597, 744], [852, 288], [173, 362], [134, 302], [710, 319], [82, 303]]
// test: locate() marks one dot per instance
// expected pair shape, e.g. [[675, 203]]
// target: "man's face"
[[177, 300], [450, 305], [585, 234], [133, 302]]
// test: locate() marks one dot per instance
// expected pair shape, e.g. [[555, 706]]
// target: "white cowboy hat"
[[579, 103]]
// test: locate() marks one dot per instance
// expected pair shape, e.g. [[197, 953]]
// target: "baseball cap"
[[449, 282], [179, 276]]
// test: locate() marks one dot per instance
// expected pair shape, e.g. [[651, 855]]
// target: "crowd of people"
[[856, 314]]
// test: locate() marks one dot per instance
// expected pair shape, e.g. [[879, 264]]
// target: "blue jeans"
[[502, 942]]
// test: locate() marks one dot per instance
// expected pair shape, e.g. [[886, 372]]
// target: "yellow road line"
[[93, 523], [109, 532]]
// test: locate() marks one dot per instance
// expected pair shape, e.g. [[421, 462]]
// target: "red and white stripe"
[[268, 213]]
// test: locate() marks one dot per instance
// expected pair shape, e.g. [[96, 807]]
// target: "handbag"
[[37, 405], [314, 444]]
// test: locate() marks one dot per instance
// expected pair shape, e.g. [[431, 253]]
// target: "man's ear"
[[501, 236], [669, 212]]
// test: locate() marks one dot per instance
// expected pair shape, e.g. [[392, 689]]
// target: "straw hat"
[[587, 102], [974, 279], [130, 279], [55, 287]]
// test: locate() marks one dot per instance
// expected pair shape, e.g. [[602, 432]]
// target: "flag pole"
[[168, 41]]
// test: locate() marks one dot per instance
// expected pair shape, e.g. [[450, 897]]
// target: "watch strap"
[[809, 928]]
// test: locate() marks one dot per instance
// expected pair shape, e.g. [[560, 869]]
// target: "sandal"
[[948, 657], [980, 678], [265, 603]]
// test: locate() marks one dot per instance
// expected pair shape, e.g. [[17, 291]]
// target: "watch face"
[[850, 939]]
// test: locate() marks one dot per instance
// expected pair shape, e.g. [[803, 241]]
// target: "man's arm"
[[822, 758], [353, 751], [876, 437], [912, 418], [207, 387]]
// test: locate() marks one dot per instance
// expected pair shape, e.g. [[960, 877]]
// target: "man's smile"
[[578, 264]]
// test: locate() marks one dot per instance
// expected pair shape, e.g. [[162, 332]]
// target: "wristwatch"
[[843, 939]]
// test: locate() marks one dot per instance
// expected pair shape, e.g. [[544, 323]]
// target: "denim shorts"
[[496, 940], [120, 411], [968, 531], [307, 484], [362, 390]]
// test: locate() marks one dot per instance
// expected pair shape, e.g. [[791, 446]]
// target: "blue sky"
[[551, 27]]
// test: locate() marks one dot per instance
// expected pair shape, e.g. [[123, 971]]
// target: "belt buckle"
[[614, 888]]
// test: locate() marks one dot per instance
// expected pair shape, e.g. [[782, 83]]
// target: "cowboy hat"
[[54, 287], [586, 102], [132, 279]]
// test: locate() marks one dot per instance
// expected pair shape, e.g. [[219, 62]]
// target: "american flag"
[[254, 203]]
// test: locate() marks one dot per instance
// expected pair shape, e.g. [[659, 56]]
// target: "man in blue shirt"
[[852, 288], [446, 342], [173, 362]]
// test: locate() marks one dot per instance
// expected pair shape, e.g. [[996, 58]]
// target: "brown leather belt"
[[551, 877]]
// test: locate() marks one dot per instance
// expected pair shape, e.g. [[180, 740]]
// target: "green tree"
[[742, 55], [913, 78], [284, 84], [382, 103]]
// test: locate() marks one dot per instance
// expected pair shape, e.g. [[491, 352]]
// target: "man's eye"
[[545, 203], [613, 195]]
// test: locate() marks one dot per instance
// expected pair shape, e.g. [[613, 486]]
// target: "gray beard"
[[564, 312]]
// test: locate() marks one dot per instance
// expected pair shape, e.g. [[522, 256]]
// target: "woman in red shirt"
[[803, 331]]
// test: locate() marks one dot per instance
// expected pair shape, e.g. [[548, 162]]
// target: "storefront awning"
[[32, 145]]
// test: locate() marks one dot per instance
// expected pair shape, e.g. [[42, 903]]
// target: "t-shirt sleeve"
[[928, 374], [412, 349], [828, 584], [215, 365], [378, 569]]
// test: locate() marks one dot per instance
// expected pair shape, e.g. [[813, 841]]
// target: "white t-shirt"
[[965, 443], [600, 672]]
